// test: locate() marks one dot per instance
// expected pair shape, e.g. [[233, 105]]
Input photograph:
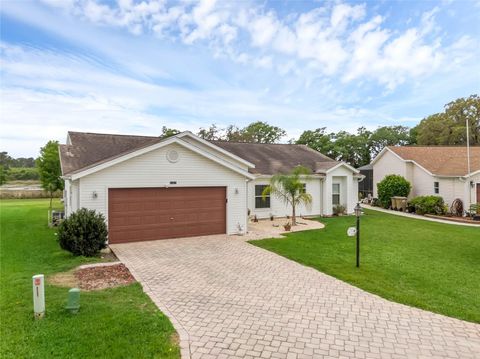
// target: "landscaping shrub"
[[338, 209], [84, 233], [429, 205], [391, 186]]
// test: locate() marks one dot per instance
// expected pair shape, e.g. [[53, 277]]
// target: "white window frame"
[[266, 200], [336, 193], [436, 187]]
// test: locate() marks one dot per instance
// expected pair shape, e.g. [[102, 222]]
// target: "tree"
[[389, 136], [168, 132], [262, 132], [5, 160], [256, 132], [210, 134], [290, 189], [318, 140], [3, 175], [48, 165], [449, 127]]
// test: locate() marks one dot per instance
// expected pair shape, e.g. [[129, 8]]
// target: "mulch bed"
[[96, 278], [93, 278]]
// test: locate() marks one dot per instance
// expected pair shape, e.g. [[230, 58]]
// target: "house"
[[153, 188], [432, 170]]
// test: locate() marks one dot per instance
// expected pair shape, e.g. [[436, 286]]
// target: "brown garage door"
[[144, 214]]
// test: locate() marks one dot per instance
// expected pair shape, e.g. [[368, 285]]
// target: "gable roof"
[[85, 151], [440, 160]]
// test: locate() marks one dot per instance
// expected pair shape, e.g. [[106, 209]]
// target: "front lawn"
[[429, 265], [114, 323]]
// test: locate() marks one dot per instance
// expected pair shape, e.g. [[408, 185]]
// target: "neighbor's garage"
[[144, 214]]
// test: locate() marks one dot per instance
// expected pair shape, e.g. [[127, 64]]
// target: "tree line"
[[444, 128]]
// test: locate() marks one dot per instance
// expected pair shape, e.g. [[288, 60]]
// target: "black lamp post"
[[358, 211]]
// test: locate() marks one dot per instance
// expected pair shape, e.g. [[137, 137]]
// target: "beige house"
[[432, 170], [154, 188]]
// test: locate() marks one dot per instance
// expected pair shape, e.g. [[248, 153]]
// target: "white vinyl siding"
[[154, 170], [278, 208]]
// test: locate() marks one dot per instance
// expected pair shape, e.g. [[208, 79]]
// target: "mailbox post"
[[38, 295]]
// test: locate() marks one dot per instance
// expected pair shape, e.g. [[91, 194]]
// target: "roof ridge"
[[257, 143], [111, 134]]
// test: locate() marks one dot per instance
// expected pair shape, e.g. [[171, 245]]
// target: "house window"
[[260, 201], [336, 194], [304, 188], [436, 187]]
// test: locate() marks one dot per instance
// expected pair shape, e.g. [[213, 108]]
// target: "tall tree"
[[319, 140], [48, 165], [289, 188], [261, 132], [449, 127], [389, 136]]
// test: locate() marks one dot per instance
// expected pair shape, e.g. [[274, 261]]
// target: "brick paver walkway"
[[229, 299]]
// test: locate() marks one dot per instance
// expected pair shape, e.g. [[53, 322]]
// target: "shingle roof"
[[278, 158], [87, 149], [90, 149], [441, 160]]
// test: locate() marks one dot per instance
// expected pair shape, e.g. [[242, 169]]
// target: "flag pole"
[[468, 163]]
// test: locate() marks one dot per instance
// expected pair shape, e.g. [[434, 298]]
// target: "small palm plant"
[[290, 189]]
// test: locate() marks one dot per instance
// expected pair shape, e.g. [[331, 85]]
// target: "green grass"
[[114, 323], [428, 265]]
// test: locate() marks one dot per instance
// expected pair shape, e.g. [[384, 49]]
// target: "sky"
[[131, 67]]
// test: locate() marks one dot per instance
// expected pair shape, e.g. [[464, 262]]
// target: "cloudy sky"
[[134, 66]]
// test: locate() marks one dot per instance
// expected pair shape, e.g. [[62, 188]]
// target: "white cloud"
[[334, 39]]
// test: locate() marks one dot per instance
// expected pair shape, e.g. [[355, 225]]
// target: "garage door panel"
[[140, 214]]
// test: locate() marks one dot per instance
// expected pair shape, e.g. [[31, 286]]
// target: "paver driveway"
[[229, 299]]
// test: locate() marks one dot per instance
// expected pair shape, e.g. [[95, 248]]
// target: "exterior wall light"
[[94, 194]]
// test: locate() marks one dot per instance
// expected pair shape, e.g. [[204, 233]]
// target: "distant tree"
[[234, 134], [289, 189], [262, 132], [168, 132], [3, 175], [389, 136], [210, 134], [319, 140], [5, 160], [449, 127], [48, 165]]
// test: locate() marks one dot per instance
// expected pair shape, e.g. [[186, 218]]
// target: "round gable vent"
[[173, 156]]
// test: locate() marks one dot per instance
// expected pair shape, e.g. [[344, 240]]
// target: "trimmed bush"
[[391, 186], [429, 205], [83, 233], [339, 209]]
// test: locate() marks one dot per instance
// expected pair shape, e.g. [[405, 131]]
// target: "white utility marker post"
[[38, 295]]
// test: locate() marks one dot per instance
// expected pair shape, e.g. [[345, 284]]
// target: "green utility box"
[[73, 300]]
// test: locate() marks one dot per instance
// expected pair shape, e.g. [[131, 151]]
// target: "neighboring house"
[[365, 187], [432, 170], [153, 188]]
